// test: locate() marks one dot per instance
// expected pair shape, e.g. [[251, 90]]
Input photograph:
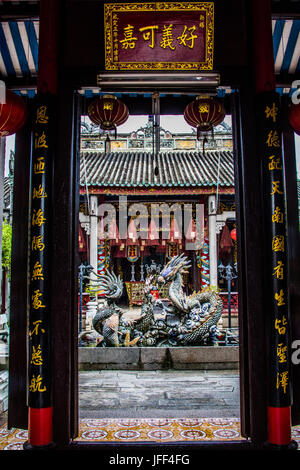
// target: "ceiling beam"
[[19, 11], [285, 9]]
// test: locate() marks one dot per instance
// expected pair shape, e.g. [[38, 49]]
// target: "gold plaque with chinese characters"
[[175, 36]]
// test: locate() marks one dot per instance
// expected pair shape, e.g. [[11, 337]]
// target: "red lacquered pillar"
[[270, 147], [40, 408]]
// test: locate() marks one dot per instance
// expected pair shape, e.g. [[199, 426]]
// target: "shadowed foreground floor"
[[157, 406]]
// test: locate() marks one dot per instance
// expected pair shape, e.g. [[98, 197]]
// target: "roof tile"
[[136, 169]]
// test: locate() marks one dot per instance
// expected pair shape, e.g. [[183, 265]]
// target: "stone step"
[[147, 358]]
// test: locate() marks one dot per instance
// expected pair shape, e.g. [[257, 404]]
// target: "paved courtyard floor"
[[153, 406], [159, 394]]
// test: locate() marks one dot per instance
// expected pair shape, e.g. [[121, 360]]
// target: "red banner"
[[159, 36]]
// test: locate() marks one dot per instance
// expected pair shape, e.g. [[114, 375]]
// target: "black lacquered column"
[[39, 361], [279, 383]]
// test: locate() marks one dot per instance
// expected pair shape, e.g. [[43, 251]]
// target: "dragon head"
[[178, 264], [111, 285]]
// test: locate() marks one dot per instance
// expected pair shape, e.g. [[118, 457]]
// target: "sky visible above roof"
[[178, 124]]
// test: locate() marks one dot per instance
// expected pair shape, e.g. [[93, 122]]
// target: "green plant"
[[6, 247]]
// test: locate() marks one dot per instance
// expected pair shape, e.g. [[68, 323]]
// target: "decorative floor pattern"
[[154, 430], [159, 430]]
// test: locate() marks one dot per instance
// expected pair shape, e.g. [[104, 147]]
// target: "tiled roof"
[[175, 169]]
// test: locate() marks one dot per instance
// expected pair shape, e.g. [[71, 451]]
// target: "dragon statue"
[[188, 320]]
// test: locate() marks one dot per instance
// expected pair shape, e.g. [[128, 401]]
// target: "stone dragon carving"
[[188, 320]]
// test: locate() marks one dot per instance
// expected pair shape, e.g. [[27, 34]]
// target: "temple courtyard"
[[159, 394]]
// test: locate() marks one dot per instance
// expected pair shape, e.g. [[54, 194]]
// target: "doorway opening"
[[7, 150], [146, 189]]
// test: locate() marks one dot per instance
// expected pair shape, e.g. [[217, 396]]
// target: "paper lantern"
[[175, 232], [204, 113], [113, 234], [13, 114], [108, 112], [132, 236], [294, 117], [153, 236], [191, 232]]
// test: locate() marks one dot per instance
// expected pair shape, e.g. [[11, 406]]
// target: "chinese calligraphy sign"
[[278, 311], [39, 312], [159, 36]]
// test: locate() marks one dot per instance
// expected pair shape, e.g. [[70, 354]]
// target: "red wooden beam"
[[47, 81], [263, 46]]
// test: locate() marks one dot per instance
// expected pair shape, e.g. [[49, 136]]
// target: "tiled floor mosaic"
[[161, 430], [154, 430]]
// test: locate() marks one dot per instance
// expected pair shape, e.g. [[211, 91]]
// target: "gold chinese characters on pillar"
[[159, 36], [39, 386], [276, 243]]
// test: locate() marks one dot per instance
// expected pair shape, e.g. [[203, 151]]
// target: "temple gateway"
[[137, 243]]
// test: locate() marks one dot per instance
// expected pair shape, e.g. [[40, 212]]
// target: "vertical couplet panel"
[[39, 349], [279, 394]]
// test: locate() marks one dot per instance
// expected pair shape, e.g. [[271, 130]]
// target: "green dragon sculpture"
[[189, 320]]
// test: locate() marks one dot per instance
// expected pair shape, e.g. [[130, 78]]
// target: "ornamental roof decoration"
[[91, 129], [141, 139]]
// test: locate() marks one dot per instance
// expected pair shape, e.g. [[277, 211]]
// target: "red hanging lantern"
[[294, 117], [191, 232], [132, 236], [108, 112], [233, 234], [204, 113], [113, 234], [13, 114], [153, 235], [175, 232]]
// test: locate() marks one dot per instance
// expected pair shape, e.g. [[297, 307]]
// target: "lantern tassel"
[[204, 142], [107, 144]]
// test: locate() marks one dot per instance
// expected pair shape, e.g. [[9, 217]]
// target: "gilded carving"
[[111, 19]]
